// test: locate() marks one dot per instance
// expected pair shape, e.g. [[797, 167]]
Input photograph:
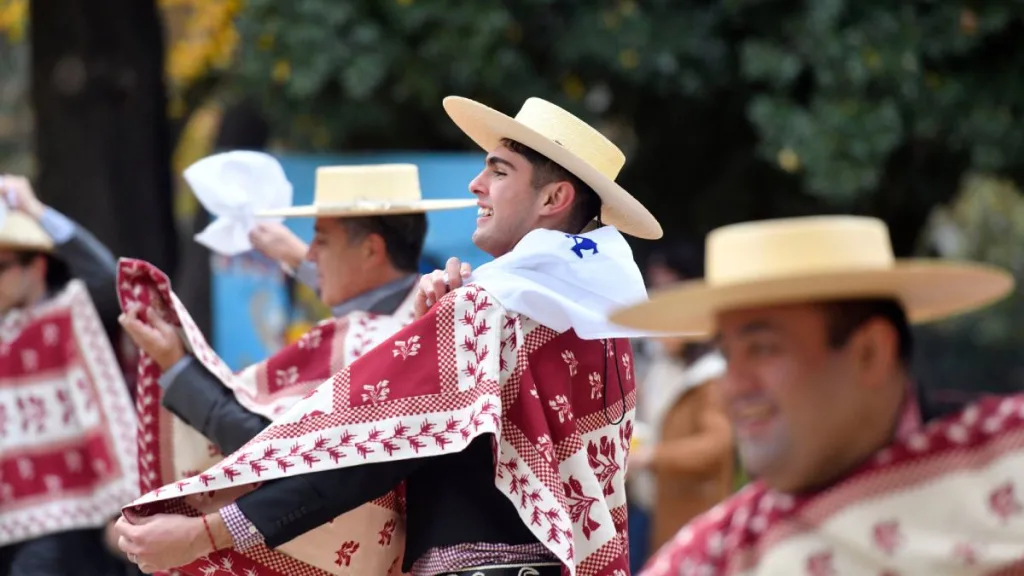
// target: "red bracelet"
[[209, 533]]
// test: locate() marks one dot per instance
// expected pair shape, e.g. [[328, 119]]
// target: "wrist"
[[35, 209], [168, 361], [295, 256], [219, 535]]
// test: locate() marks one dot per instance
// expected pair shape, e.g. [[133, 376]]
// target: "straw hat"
[[379, 189], [19, 231], [813, 259], [569, 142]]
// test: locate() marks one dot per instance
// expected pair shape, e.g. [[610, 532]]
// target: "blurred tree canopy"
[[728, 110]]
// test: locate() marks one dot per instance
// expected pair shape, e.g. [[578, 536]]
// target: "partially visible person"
[[682, 463], [363, 263], [813, 315], [41, 252]]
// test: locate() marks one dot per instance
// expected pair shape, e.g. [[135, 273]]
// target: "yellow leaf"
[[788, 160], [282, 71]]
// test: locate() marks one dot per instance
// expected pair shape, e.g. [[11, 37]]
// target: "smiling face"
[[519, 191], [347, 264], [509, 206], [804, 407]]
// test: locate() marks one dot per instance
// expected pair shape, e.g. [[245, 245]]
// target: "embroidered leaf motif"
[[406, 348]]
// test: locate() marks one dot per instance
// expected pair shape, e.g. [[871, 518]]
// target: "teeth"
[[485, 211], [753, 412]]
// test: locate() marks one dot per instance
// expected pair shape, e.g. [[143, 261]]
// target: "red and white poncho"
[[67, 430], [467, 368], [170, 451], [946, 498]]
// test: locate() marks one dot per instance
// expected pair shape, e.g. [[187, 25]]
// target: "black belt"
[[544, 569]]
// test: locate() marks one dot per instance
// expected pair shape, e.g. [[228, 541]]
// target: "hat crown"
[[20, 231], [380, 183], [797, 247], [573, 134]]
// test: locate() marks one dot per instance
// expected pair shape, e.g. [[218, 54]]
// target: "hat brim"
[[20, 232], [487, 127], [928, 290], [367, 209]]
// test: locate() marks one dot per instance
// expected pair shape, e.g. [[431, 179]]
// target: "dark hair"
[[403, 236], [844, 317], [586, 205], [57, 272], [680, 256]]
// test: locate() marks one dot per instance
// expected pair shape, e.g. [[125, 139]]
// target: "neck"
[[877, 428]]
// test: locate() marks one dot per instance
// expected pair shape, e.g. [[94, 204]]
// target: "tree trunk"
[[101, 129]]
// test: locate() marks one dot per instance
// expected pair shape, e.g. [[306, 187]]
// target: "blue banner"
[[256, 309]]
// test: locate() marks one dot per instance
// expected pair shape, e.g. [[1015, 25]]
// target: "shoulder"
[[471, 298], [706, 541]]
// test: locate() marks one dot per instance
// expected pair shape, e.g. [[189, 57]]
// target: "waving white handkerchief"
[[233, 186]]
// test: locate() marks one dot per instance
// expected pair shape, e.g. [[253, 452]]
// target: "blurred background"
[[729, 110]]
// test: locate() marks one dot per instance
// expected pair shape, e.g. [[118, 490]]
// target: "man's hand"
[[163, 541], [18, 193], [279, 243], [158, 339], [110, 537], [433, 286]]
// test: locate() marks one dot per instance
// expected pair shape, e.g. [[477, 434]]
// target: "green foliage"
[[846, 83]]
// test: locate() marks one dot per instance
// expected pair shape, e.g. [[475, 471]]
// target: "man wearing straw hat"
[[67, 434], [369, 232], [506, 408], [813, 315]]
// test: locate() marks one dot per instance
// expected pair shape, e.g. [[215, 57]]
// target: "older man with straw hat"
[[813, 315], [506, 409], [369, 232], [67, 433]]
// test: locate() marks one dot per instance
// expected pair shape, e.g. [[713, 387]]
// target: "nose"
[[311, 252], [476, 185], [739, 380]]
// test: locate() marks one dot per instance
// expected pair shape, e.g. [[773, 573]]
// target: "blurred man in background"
[[682, 460], [41, 251]]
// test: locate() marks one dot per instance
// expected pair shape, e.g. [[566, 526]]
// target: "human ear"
[[558, 198], [875, 348]]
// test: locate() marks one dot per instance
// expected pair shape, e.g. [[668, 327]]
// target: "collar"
[[384, 299]]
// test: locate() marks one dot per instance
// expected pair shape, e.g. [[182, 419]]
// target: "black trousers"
[[72, 553]]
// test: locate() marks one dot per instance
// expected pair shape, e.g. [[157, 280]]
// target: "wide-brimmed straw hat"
[[811, 259], [370, 190], [19, 231], [569, 142]]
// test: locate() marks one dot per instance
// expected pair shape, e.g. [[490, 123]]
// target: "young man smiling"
[[506, 409], [813, 316]]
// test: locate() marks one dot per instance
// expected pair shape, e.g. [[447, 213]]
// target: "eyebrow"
[[749, 328], [493, 161]]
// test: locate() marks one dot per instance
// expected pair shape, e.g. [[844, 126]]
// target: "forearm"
[[202, 401], [87, 259], [284, 509], [695, 455]]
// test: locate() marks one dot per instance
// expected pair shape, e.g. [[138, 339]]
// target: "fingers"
[[466, 269], [158, 323], [420, 306], [453, 273]]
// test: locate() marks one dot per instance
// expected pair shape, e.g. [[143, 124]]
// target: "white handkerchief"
[[233, 186], [568, 281]]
